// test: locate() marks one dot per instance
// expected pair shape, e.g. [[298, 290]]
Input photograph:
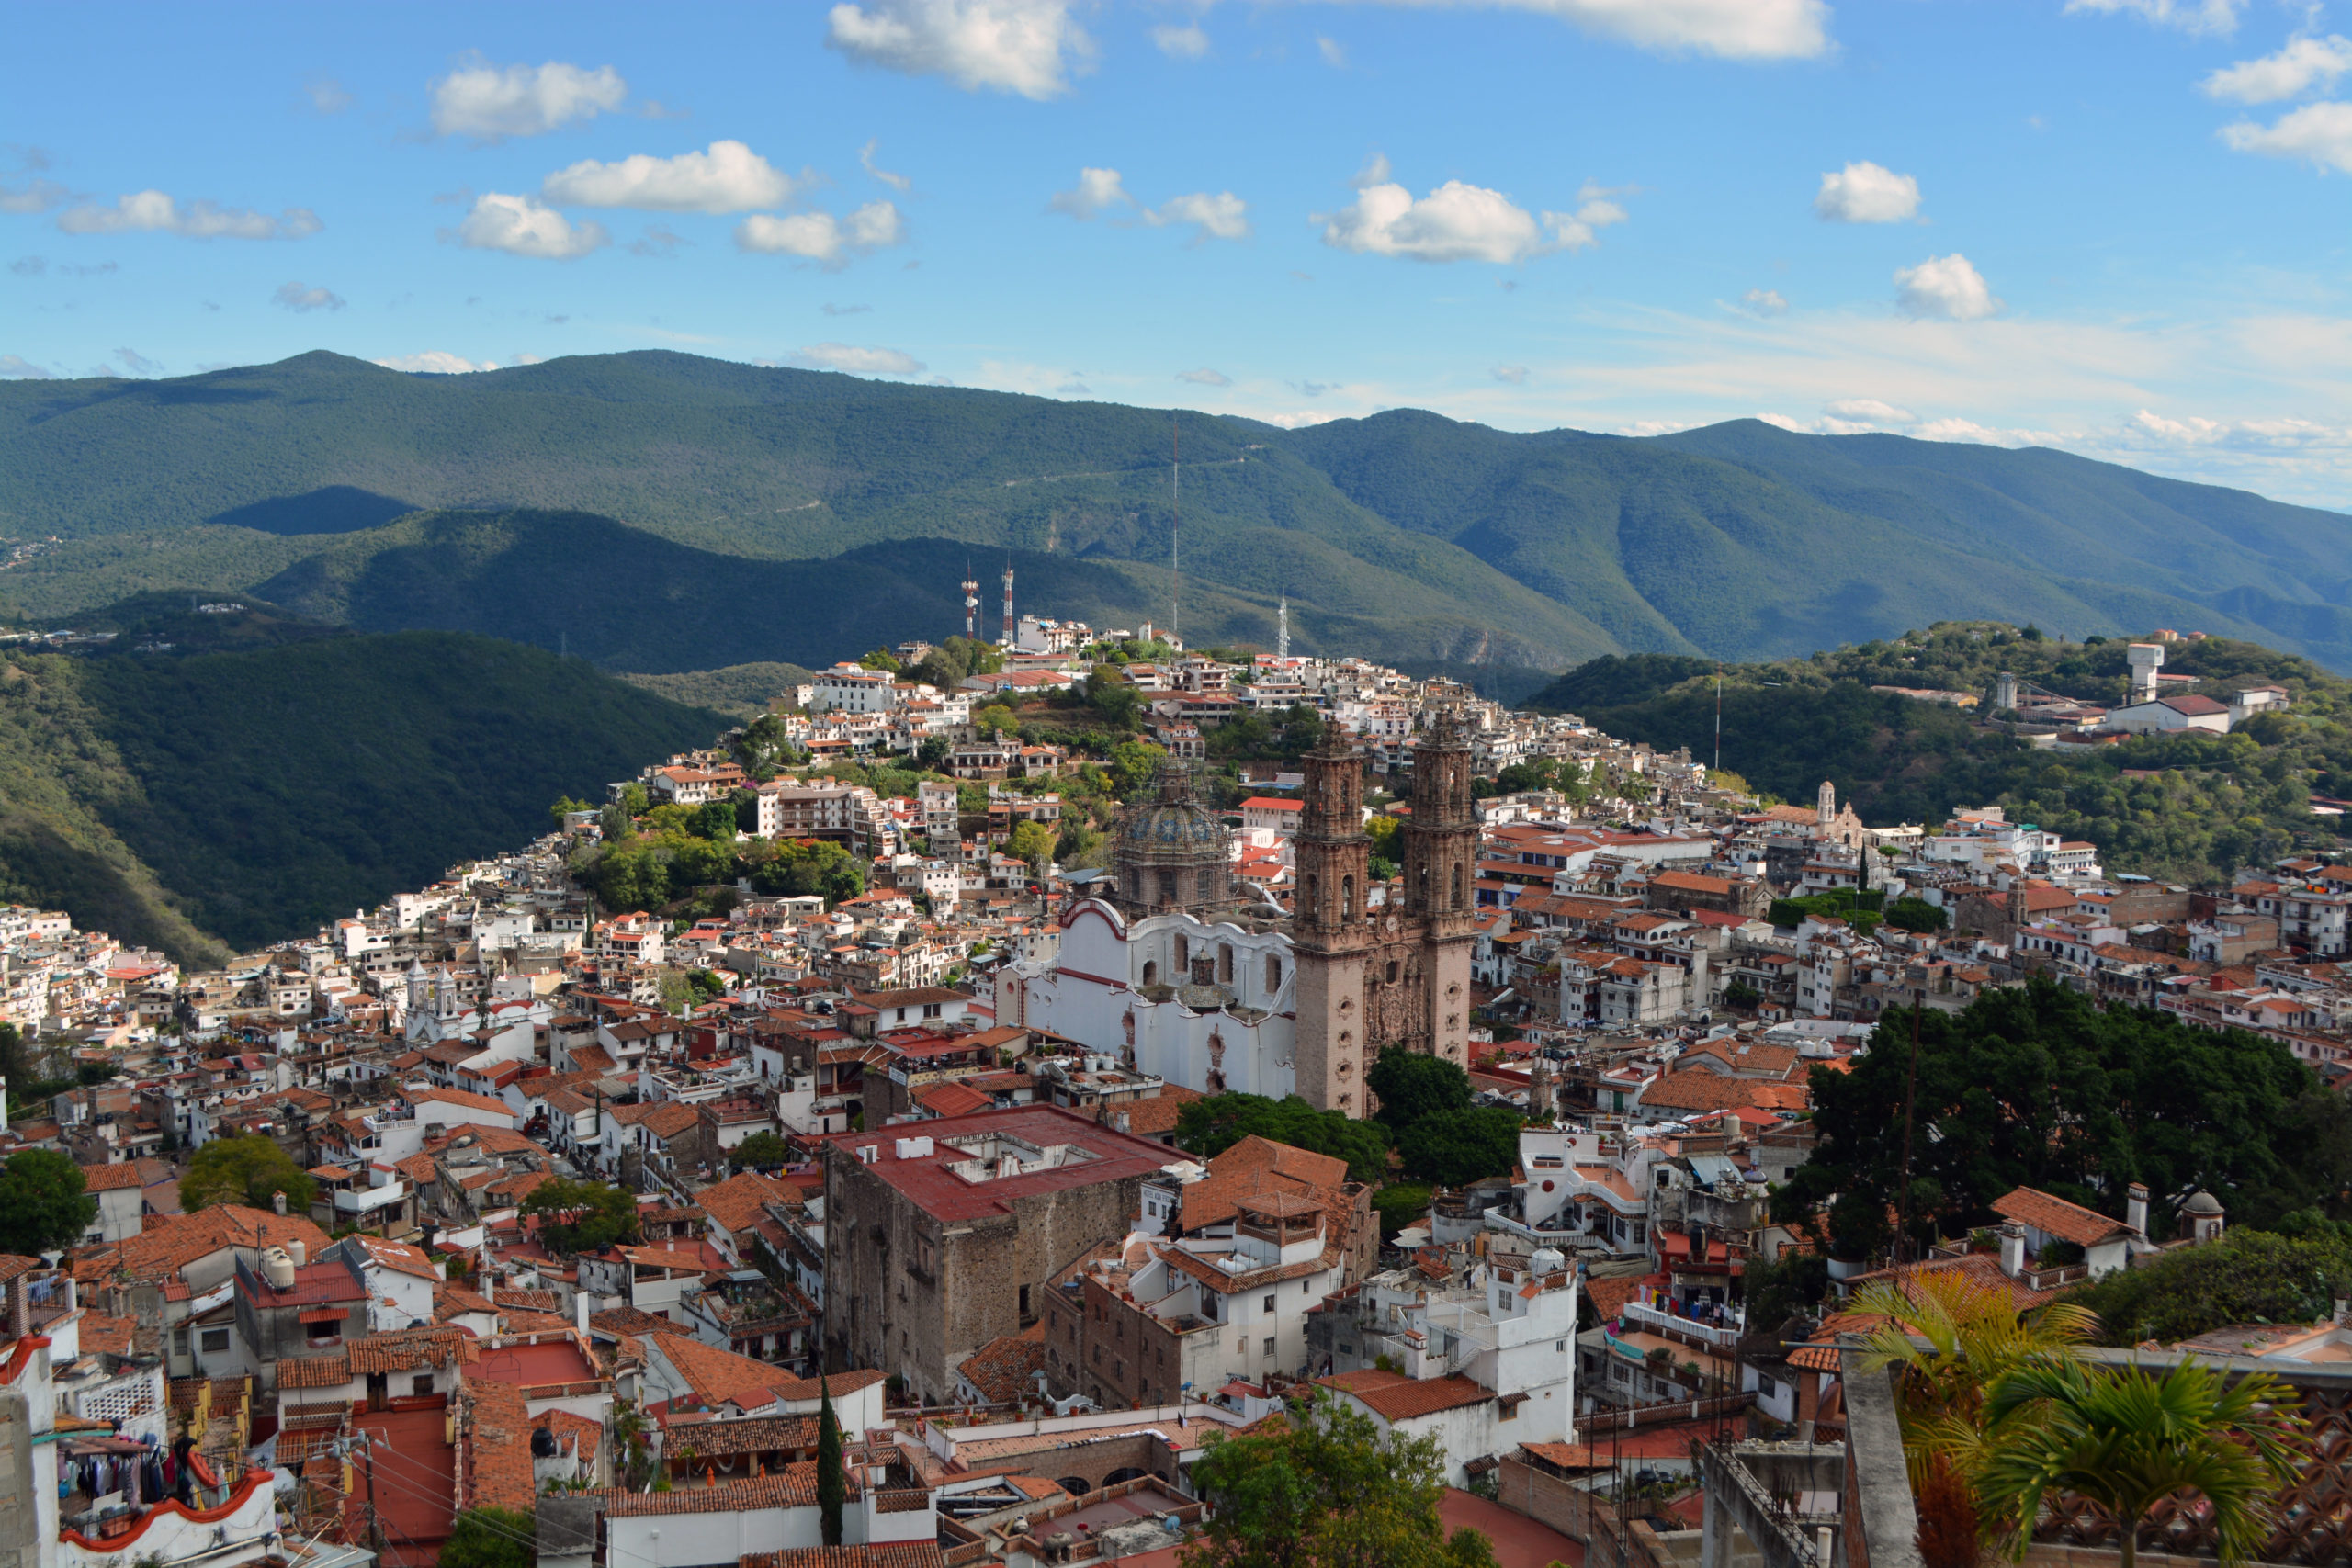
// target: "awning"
[[325, 1314]]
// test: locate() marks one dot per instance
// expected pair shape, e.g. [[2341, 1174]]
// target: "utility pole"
[[1910, 1096], [375, 1521]]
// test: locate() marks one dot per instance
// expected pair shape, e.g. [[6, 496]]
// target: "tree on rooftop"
[[1210, 1127], [581, 1217], [2248, 1276], [1326, 1490], [492, 1538], [43, 1205], [2127, 1438], [760, 1149], [247, 1170]]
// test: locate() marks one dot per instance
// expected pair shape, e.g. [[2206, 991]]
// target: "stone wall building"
[[942, 1235]]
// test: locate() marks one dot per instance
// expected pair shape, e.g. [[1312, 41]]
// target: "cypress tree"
[[832, 1482]]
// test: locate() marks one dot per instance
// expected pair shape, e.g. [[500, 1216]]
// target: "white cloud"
[[14, 368], [2155, 430], [1734, 29], [524, 226], [2321, 133], [1334, 53], [855, 361], [1299, 420], [2303, 63], [1867, 410], [136, 363], [1223, 216], [481, 102], [326, 95], [1866, 193], [1510, 375], [153, 211], [1457, 222], [1187, 43], [36, 195], [821, 237], [1206, 377], [865, 162], [436, 362], [294, 297], [1097, 189], [730, 177], [2188, 16], [1764, 302], [1945, 287], [1027, 47]]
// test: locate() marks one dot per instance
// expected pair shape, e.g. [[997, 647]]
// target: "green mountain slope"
[[227, 799], [1403, 535]]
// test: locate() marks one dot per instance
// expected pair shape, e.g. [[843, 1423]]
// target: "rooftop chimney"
[[2135, 1208], [2012, 1249]]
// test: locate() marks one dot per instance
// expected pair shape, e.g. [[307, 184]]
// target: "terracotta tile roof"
[[669, 1119], [1155, 1117], [746, 1435], [1702, 1091], [1006, 1367], [166, 1245], [1569, 1456], [1982, 1267], [440, 1346], [953, 1099], [1392, 1396], [461, 1099], [400, 1255], [2055, 1216], [111, 1334], [739, 1202], [630, 1320], [315, 1371], [796, 1489], [495, 1447], [109, 1177], [1608, 1296], [585, 1435], [715, 1376]]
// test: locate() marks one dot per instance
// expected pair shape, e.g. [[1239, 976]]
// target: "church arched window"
[[1150, 973], [1273, 976], [1347, 898], [1225, 964], [1309, 902], [1183, 951], [1457, 886]]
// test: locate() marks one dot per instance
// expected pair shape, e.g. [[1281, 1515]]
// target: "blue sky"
[[2116, 226]]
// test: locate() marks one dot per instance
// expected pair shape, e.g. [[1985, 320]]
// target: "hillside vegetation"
[[215, 800], [2193, 807], [1404, 535]]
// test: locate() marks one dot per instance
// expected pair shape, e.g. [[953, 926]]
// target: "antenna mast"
[[971, 603], [1176, 524]]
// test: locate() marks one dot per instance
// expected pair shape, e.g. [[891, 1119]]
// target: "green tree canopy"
[[2036, 1086], [1414, 1084], [761, 1148], [581, 1217], [492, 1538], [250, 1171], [2248, 1276], [1209, 1127], [1033, 842], [832, 1482], [1456, 1148], [43, 1205], [1327, 1491]]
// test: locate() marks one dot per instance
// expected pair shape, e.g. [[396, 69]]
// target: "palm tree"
[[2127, 1440], [1955, 1337]]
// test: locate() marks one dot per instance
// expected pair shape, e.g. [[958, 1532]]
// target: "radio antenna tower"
[[1011, 631], [1176, 522], [971, 604], [1282, 630]]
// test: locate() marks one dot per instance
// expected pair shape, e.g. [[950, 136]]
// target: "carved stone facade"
[[1401, 978]]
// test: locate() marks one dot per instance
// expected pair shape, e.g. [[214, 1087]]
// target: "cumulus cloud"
[[1206, 377], [2302, 64], [2148, 428], [1733, 29], [152, 210], [484, 103], [1866, 193], [326, 95], [295, 297], [865, 162], [855, 361], [2320, 134], [1187, 43], [524, 226], [1096, 190], [821, 237], [1867, 410], [1457, 222], [1510, 375], [2188, 16], [436, 362], [730, 177], [1763, 302], [1945, 289], [1223, 216], [14, 368], [1025, 47]]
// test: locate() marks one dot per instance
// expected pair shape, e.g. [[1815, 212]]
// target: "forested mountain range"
[[664, 513]]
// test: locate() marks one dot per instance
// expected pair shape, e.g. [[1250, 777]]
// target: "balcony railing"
[[1683, 1328]]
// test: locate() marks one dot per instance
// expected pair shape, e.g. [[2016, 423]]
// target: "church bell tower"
[[1441, 882], [1331, 935]]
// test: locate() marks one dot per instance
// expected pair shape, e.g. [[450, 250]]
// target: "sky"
[[2117, 227]]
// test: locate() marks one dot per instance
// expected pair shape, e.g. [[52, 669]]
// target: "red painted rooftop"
[[927, 1182]]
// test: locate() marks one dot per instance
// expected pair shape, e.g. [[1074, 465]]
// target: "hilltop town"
[[1049, 1056]]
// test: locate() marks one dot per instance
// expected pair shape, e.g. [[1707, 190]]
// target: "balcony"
[[1682, 1328]]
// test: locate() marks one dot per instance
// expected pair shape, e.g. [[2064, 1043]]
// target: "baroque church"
[[1178, 973]]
